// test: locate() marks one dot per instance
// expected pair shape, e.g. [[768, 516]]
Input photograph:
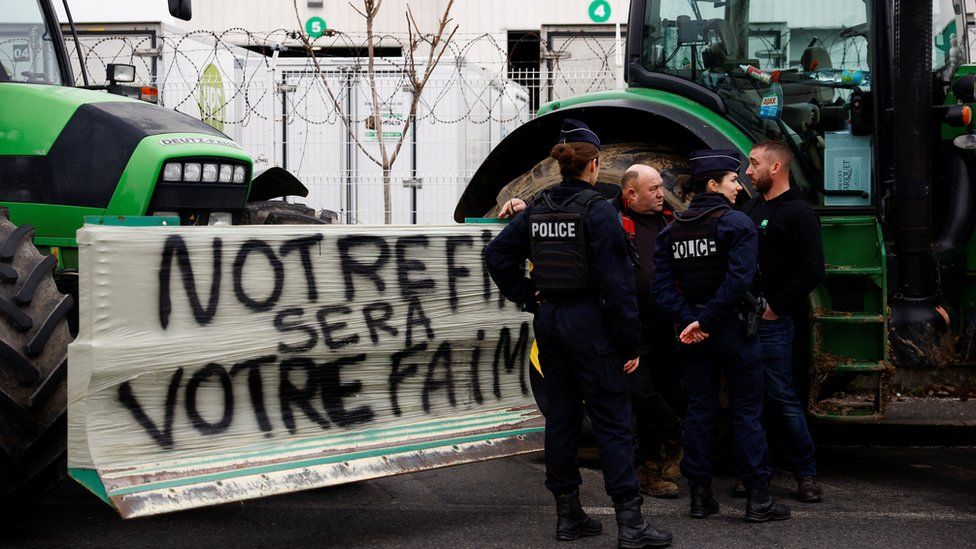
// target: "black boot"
[[703, 504], [634, 530], [761, 507], [571, 521]]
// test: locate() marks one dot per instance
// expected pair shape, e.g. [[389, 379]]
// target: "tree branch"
[[432, 62], [335, 100]]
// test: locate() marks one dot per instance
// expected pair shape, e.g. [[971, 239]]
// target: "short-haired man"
[[791, 265]]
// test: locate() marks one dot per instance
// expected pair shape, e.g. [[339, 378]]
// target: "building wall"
[[472, 17]]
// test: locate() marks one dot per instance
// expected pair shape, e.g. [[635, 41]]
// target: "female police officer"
[[582, 292], [704, 265]]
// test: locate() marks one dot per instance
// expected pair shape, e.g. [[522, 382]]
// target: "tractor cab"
[[791, 70], [33, 50]]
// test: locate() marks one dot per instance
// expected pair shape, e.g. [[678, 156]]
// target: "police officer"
[[704, 266], [586, 325], [654, 389]]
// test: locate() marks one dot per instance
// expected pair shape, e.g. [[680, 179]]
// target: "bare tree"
[[438, 44]]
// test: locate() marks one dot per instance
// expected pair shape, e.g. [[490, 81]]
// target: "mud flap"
[[234, 363], [275, 182]]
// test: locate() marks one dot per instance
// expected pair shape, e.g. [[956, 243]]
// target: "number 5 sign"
[[315, 27], [599, 11]]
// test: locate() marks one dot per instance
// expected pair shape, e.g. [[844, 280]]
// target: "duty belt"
[[567, 299]]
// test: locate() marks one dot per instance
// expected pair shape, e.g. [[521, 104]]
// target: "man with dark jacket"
[[791, 265], [655, 389]]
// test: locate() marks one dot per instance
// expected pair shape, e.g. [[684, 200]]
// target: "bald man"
[[655, 392], [655, 389]]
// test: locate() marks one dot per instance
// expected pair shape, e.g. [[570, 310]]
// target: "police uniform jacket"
[[614, 287], [736, 233]]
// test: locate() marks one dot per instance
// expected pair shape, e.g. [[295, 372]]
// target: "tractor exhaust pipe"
[[916, 327]]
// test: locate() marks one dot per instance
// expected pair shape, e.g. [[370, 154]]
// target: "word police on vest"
[[700, 247], [553, 229]]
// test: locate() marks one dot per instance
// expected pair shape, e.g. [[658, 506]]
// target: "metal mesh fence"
[[262, 90]]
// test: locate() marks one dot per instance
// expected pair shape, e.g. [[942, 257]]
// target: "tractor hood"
[[638, 115], [41, 114], [78, 142]]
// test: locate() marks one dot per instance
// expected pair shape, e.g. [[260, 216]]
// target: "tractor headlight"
[[191, 172], [209, 173], [226, 173], [220, 218], [173, 171], [206, 170]]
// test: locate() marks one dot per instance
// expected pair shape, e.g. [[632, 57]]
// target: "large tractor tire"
[[615, 158], [34, 339]]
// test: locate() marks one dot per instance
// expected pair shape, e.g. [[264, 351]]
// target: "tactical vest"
[[559, 252], [700, 261]]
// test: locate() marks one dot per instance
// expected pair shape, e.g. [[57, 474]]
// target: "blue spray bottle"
[[771, 106]]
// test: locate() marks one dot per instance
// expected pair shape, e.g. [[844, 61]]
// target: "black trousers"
[[725, 353], [584, 374], [655, 393]]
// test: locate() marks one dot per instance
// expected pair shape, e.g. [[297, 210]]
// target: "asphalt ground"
[[874, 497]]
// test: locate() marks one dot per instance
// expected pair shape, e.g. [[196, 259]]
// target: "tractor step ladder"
[[849, 321]]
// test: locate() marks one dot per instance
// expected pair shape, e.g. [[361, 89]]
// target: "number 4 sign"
[[599, 11], [21, 53]]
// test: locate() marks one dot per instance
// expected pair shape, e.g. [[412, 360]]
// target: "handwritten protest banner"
[[221, 364]]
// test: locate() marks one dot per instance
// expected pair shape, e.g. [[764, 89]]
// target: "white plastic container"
[[847, 168]]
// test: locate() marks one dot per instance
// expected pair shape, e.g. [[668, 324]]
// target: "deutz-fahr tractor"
[[873, 97], [66, 153]]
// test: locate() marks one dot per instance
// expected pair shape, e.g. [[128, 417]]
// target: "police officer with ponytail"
[[704, 267], [581, 289]]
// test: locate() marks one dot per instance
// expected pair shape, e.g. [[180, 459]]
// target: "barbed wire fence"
[[262, 90]]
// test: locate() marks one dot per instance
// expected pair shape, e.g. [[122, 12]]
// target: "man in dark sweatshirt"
[[655, 390], [791, 265]]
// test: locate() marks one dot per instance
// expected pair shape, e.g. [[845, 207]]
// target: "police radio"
[[751, 314]]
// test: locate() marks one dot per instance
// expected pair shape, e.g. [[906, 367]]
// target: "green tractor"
[[67, 153], [874, 99]]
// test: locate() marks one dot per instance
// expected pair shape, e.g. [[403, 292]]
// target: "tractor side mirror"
[[180, 9], [116, 72]]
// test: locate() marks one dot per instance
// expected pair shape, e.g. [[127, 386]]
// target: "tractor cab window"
[[786, 70], [27, 52]]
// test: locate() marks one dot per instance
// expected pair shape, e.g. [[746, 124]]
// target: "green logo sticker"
[[599, 11], [315, 27], [210, 98]]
